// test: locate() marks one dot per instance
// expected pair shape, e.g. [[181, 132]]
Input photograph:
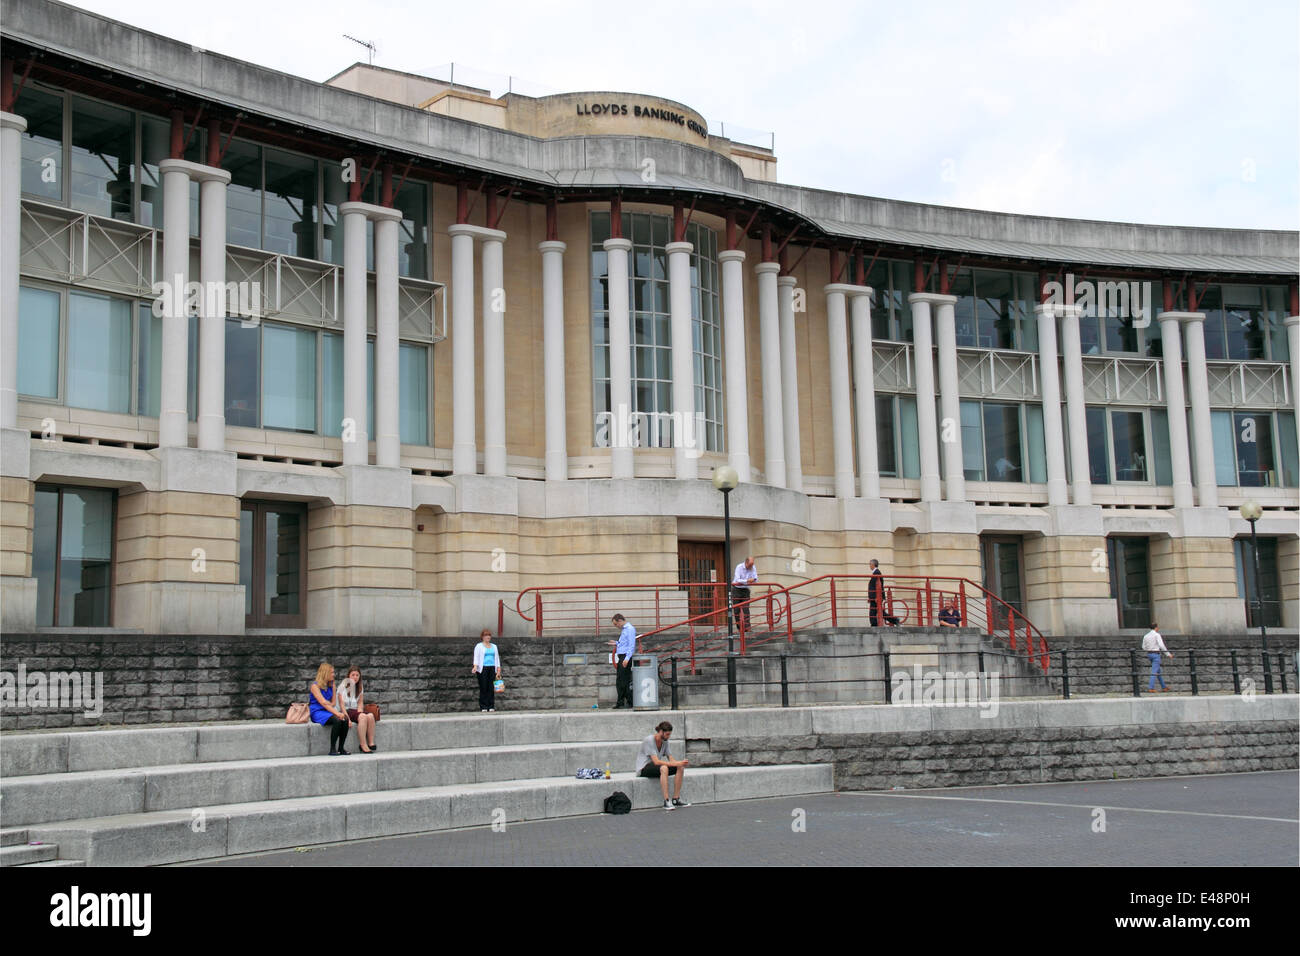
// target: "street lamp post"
[[1251, 511], [725, 479]]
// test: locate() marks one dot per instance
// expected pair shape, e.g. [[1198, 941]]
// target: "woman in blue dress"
[[487, 665], [326, 711]]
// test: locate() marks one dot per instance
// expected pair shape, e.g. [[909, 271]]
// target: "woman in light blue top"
[[487, 665]]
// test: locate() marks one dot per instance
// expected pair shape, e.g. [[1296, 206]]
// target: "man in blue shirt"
[[623, 660]]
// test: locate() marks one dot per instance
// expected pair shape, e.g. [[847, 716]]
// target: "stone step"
[[58, 863], [171, 836], [14, 837], [23, 754], [48, 798], [25, 855]]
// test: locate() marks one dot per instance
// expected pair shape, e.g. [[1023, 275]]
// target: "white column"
[[557, 442], [212, 309], [620, 359], [687, 441], [1072, 359], [1050, 382], [494, 355], [464, 450], [1292, 323], [949, 399], [173, 417], [356, 451], [1178, 451], [11, 147], [927, 433], [841, 403], [733, 341], [1198, 391], [769, 341], [864, 380], [785, 286], [388, 412]]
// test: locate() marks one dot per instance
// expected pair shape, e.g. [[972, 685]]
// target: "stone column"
[[686, 439], [946, 333], [841, 410], [864, 378], [213, 308], [357, 450], [1198, 388], [1292, 323], [733, 341], [927, 432], [494, 353], [388, 412], [11, 153], [769, 340], [785, 286], [1173, 367], [620, 360], [173, 416], [557, 443], [1053, 430], [1072, 356], [464, 452]]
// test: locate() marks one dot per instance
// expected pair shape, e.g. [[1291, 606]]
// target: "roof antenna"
[[369, 45]]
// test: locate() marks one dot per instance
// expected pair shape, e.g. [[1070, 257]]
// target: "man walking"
[[746, 575], [623, 652], [1154, 645], [654, 760]]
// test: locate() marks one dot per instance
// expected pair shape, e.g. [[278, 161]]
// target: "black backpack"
[[618, 802]]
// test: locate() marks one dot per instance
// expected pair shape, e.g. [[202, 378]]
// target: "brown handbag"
[[298, 713], [373, 711]]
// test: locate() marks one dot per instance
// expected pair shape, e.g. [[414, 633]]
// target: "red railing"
[[843, 600]]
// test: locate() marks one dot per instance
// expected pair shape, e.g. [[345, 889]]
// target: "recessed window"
[[72, 556], [1254, 449], [273, 563]]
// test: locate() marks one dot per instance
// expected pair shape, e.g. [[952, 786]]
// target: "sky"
[[1137, 111]]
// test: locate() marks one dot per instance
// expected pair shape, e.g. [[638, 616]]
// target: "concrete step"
[[13, 837], [58, 863], [25, 855], [23, 754], [174, 836], [45, 798]]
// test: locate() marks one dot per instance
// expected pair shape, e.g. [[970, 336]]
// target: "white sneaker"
[[681, 803], [668, 805]]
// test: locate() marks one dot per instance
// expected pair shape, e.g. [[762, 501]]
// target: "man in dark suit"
[[876, 596]]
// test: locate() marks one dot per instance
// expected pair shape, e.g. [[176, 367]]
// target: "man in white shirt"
[[746, 574], [1154, 645]]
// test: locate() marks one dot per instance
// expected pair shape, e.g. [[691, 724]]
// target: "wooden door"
[[700, 562]]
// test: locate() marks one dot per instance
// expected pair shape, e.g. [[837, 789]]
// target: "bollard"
[[1236, 675], [1281, 669], [1191, 665], [673, 680], [1268, 673], [1065, 675], [1133, 671], [731, 682], [785, 684], [888, 697]]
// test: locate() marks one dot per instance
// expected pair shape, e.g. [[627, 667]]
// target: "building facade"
[[368, 356]]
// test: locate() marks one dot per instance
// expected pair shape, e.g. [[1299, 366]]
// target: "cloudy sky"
[[1132, 110]]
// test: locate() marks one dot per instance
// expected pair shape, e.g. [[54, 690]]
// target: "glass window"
[[72, 556], [244, 195], [995, 314], [909, 439], [103, 159], [1225, 458], [99, 352], [149, 349], [1263, 605], [331, 386], [972, 442], [1160, 446], [1275, 311], [1243, 322], [413, 231], [271, 563], [1128, 438], [1254, 440], [1002, 442], [1036, 443], [1216, 331], [1098, 453], [289, 378], [887, 459], [1286, 436], [38, 342], [1025, 301], [290, 204], [155, 146], [42, 162], [414, 400], [964, 311], [243, 347]]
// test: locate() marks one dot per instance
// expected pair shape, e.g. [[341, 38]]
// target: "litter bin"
[[645, 681]]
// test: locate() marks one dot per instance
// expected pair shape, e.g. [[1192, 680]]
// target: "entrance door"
[[1002, 559], [1130, 579], [1268, 580], [700, 562]]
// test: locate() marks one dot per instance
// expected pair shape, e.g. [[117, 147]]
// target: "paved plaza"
[[1213, 820]]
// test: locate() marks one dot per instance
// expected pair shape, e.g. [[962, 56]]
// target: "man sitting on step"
[[654, 760]]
